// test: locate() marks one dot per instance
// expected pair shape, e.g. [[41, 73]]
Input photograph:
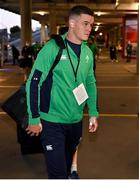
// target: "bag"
[[16, 105], [25, 62], [28, 144]]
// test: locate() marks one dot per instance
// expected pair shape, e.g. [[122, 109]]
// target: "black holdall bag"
[[16, 105]]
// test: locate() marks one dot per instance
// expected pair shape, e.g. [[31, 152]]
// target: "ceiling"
[[108, 13]]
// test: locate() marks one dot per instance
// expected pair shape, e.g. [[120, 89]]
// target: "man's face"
[[82, 26]]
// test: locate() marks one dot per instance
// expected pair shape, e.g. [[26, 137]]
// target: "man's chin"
[[86, 38]]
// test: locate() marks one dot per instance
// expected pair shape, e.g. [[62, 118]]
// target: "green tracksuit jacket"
[[50, 97]]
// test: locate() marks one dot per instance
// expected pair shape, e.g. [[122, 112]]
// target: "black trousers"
[[59, 143]]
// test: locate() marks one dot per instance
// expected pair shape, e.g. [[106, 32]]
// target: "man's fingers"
[[31, 133], [34, 130], [93, 127]]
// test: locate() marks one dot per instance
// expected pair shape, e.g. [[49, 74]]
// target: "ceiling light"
[[96, 28], [117, 3], [42, 13], [98, 23], [98, 13]]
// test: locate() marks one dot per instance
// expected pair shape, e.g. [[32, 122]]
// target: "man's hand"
[[93, 124], [34, 130]]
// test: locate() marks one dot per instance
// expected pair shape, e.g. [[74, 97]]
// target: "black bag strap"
[[57, 59], [60, 42]]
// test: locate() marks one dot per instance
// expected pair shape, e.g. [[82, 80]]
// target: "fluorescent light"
[[42, 13]]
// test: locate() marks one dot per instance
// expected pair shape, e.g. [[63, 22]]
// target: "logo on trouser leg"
[[49, 147]]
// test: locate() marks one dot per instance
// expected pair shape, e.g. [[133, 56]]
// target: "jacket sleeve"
[[92, 92], [38, 74]]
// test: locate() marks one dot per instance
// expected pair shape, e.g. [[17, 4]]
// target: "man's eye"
[[86, 23]]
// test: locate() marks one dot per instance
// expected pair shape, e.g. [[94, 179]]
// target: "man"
[[15, 53], [56, 102], [113, 52], [129, 51]]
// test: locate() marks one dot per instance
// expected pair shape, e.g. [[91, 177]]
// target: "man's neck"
[[70, 37]]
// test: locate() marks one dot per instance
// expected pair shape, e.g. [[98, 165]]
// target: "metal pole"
[[137, 64]]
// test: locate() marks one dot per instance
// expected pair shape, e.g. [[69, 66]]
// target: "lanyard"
[[74, 70]]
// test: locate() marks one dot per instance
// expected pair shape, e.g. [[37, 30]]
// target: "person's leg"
[[53, 141], [128, 58], [74, 170], [72, 144], [115, 58], [13, 60], [111, 57], [74, 161]]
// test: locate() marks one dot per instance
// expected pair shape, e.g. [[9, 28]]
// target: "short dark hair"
[[79, 9]]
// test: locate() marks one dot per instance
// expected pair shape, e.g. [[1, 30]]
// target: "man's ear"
[[71, 23]]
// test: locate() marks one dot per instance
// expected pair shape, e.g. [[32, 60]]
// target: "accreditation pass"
[[80, 94]]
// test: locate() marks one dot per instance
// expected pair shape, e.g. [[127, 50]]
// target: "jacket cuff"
[[94, 114], [34, 121]]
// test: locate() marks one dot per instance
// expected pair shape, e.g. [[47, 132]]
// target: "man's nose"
[[89, 29]]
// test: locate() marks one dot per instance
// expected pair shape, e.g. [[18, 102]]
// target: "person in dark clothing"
[[27, 53], [129, 51], [16, 54], [26, 61], [5, 51], [113, 55]]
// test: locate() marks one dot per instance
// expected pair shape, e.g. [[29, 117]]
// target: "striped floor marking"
[[118, 87], [2, 113], [113, 75], [9, 86], [102, 115], [99, 87], [116, 115]]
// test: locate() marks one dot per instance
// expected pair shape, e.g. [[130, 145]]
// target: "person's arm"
[[92, 100], [38, 74]]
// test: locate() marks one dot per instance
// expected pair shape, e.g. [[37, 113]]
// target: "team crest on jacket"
[[87, 59], [64, 57]]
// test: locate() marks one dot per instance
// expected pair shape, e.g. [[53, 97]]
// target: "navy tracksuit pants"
[[59, 143]]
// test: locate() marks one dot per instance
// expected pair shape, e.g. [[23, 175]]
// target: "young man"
[[56, 102], [129, 51]]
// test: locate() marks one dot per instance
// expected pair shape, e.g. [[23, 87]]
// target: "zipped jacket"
[[50, 95]]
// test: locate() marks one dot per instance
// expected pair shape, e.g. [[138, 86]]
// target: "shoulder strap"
[[59, 41], [57, 59]]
